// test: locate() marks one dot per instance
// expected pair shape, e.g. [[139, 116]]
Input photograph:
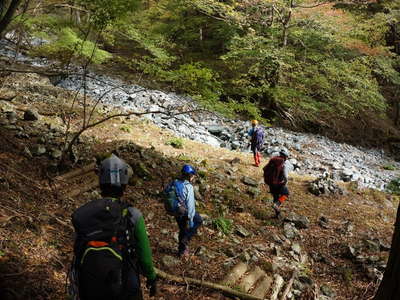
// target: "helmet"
[[188, 169], [114, 171], [284, 152], [254, 122]]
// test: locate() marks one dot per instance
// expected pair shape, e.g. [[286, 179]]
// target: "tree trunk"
[[285, 35], [286, 25], [78, 17], [7, 17], [390, 285], [207, 284]]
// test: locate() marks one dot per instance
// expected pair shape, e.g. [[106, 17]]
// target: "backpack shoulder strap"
[[134, 215]]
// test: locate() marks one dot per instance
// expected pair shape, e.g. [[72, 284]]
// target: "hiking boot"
[[277, 210]]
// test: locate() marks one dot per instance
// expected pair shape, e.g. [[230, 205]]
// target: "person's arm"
[[143, 250], [190, 203], [286, 168]]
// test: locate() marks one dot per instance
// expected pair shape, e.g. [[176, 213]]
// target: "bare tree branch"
[[68, 6]]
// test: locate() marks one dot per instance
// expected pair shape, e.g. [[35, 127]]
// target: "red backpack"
[[273, 171]]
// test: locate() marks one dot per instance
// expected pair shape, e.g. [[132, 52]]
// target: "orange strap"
[[282, 198], [97, 244], [101, 243]]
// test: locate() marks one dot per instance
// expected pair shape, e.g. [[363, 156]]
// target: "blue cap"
[[188, 169]]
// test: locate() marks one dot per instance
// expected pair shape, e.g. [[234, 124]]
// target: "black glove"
[[152, 286]]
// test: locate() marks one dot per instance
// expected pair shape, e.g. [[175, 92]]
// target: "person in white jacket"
[[184, 208]]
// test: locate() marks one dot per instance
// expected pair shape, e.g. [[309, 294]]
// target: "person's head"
[[254, 123], [188, 172], [114, 175], [284, 153]]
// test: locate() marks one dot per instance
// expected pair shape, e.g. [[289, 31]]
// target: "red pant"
[[257, 158]]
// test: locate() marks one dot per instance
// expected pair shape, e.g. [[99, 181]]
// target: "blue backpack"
[[257, 139], [174, 201]]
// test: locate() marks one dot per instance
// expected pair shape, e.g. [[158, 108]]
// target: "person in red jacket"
[[276, 174]]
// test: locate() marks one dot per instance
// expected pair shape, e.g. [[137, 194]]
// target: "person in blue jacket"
[[184, 208]]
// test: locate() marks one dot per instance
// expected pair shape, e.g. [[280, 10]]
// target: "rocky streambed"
[[310, 154]]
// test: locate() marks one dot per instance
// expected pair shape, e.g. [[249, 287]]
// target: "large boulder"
[[215, 129], [249, 181], [290, 231], [38, 150], [324, 185], [299, 221], [31, 115]]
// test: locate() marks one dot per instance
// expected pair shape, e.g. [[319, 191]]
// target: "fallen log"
[[80, 190], [74, 173], [289, 285], [278, 283], [207, 284]]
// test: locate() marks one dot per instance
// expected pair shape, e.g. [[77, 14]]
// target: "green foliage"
[[186, 24], [42, 24], [261, 214], [104, 12], [394, 186], [232, 58], [196, 80], [347, 274], [126, 128], [308, 85], [313, 88], [385, 67], [202, 173], [184, 158], [238, 288], [371, 30], [389, 167], [223, 225], [69, 44], [176, 143], [305, 270]]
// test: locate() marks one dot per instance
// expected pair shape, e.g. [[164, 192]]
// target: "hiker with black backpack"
[[276, 174], [111, 245], [256, 134], [180, 202]]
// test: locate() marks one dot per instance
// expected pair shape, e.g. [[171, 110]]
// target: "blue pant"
[[186, 233]]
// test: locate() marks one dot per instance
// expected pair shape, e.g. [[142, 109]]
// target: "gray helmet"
[[114, 171], [284, 152]]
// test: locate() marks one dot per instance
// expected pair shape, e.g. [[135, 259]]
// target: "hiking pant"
[[186, 233], [279, 192], [101, 279], [256, 155]]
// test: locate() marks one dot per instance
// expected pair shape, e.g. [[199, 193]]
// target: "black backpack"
[[102, 228]]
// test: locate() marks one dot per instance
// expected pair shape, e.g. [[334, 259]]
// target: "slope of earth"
[[337, 249]]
